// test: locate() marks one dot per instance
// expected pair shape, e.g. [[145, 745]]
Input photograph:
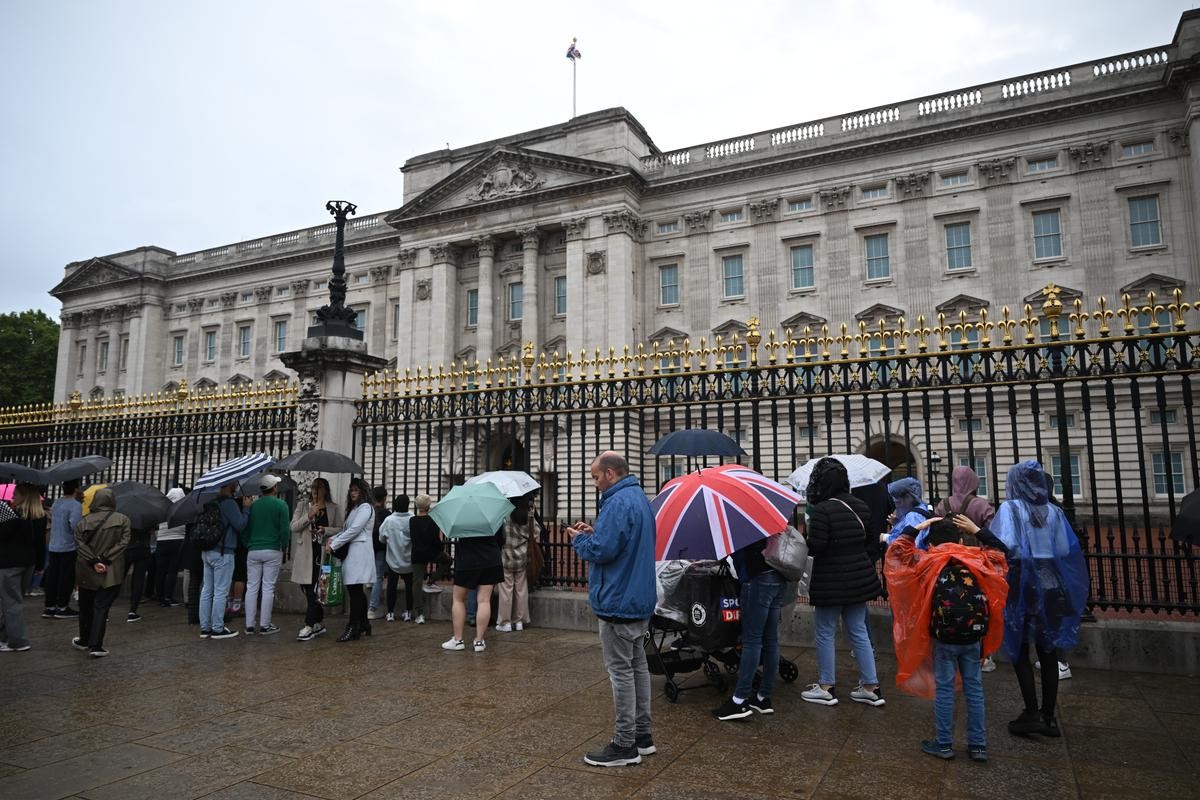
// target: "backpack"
[[960, 608], [209, 529]]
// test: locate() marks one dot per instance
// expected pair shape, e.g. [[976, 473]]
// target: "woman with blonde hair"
[[312, 515], [22, 545]]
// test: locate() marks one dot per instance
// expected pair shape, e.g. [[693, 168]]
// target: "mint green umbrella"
[[477, 509]]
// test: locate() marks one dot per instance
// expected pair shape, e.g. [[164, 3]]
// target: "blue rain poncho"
[[1047, 574], [906, 494]]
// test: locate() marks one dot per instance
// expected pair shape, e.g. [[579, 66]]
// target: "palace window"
[[1137, 149], [282, 291], [1065, 421], [974, 425], [177, 351], [732, 277], [878, 263], [243, 341], [560, 296], [668, 285], [360, 319], [516, 301], [210, 345], [472, 307], [668, 227], [875, 192], [1160, 417], [280, 335], [1145, 229], [958, 245], [956, 179], [1168, 472], [1042, 164], [1056, 466], [731, 216], [123, 354], [102, 357], [802, 267], [1047, 234], [800, 204]]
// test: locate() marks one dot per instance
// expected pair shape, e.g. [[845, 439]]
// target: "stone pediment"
[[94, 272], [506, 175], [728, 328], [879, 311], [664, 335], [796, 323], [962, 302], [1161, 285], [1065, 294]]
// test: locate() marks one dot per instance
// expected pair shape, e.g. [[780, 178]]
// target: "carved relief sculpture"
[[597, 262], [576, 228], [228, 299], [505, 180], [262, 293], [913, 184], [1091, 154], [195, 304], [764, 210], [380, 274], [697, 221], [622, 222], [440, 253], [300, 288], [835, 198], [997, 170], [486, 246], [408, 258], [424, 289]]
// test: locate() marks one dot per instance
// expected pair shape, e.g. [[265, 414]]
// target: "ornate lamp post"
[[334, 318]]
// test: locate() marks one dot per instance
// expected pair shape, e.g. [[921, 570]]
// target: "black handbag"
[[341, 552]]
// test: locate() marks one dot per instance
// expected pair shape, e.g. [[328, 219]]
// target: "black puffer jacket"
[[843, 572]]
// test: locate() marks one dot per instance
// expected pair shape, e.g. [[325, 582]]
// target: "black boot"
[[1029, 722], [367, 630], [1050, 727], [350, 634]]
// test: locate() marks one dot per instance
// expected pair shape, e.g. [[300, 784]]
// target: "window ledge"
[[878, 281], [1148, 250], [728, 301], [668, 306], [803, 290], [950, 274], [1057, 261]]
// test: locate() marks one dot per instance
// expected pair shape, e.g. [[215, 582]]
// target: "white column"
[[443, 299], [488, 301], [63, 378], [622, 229], [576, 274], [531, 322]]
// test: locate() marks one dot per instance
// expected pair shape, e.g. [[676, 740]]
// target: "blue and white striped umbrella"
[[236, 470]]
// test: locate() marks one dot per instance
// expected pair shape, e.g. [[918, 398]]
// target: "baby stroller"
[[697, 627]]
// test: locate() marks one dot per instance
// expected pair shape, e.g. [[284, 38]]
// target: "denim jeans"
[[854, 619], [218, 571], [762, 597], [623, 648], [380, 573], [262, 571], [966, 660]]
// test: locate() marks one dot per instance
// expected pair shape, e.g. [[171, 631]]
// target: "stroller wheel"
[[788, 671], [731, 668], [711, 671], [672, 691]]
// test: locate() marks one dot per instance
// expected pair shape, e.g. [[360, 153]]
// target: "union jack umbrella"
[[714, 512]]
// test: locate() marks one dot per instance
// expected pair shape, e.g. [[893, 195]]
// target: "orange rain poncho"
[[911, 577]]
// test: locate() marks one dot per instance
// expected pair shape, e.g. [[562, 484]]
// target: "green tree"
[[28, 355]]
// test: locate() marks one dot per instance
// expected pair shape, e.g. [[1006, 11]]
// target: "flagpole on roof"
[[574, 55]]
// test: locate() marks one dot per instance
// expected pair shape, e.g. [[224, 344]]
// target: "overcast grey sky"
[[190, 124]]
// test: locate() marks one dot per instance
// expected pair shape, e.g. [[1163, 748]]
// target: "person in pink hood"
[[964, 501]]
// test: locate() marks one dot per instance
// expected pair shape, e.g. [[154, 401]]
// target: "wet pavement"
[[168, 716]]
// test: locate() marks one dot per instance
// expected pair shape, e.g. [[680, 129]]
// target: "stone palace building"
[[587, 235]]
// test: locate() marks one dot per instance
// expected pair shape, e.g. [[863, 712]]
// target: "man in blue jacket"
[[621, 589]]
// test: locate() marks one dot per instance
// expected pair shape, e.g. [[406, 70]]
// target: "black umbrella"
[[145, 505], [11, 472], [251, 487], [74, 468], [319, 461], [1187, 521], [696, 442], [187, 509]]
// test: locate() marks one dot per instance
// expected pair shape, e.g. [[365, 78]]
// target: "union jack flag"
[[714, 512], [573, 51]]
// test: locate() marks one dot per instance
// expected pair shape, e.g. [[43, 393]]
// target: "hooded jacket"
[[101, 538], [620, 554], [965, 483]]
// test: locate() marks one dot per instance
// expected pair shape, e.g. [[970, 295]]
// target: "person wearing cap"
[[167, 556], [265, 537]]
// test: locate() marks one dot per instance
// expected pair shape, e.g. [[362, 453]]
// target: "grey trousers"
[[622, 646], [12, 607]]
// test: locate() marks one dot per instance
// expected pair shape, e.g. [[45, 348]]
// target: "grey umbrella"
[[145, 505], [319, 461], [187, 509], [11, 472], [74, 468], [696, 442]]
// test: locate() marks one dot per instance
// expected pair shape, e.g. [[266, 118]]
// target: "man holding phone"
[[621, 590]]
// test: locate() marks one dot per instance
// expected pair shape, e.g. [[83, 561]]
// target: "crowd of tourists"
[[963, 578]]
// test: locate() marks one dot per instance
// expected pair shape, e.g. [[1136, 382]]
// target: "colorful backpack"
[[960, 608]]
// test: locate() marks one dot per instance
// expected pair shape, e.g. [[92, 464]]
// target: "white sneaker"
[[406, 616], [305, 634], [319, 628], [391, 617], [1064, 671], [505, 627], [431, 588], [815, 694], [480, 645], [372, 614], [989, 664], [454, 644], [420, 619], [871, 697], [519, 626]]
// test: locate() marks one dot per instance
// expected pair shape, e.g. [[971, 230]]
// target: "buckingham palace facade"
[[586, 235]]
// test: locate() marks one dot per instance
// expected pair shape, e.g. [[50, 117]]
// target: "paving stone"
[[553, 783], [1116, 713], [206, 736], [64, 746], [1110, 782], [469, 772], [77, 775], [349, 769], [1006, 777], [854, 777], [191, 777], [720, 764]]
